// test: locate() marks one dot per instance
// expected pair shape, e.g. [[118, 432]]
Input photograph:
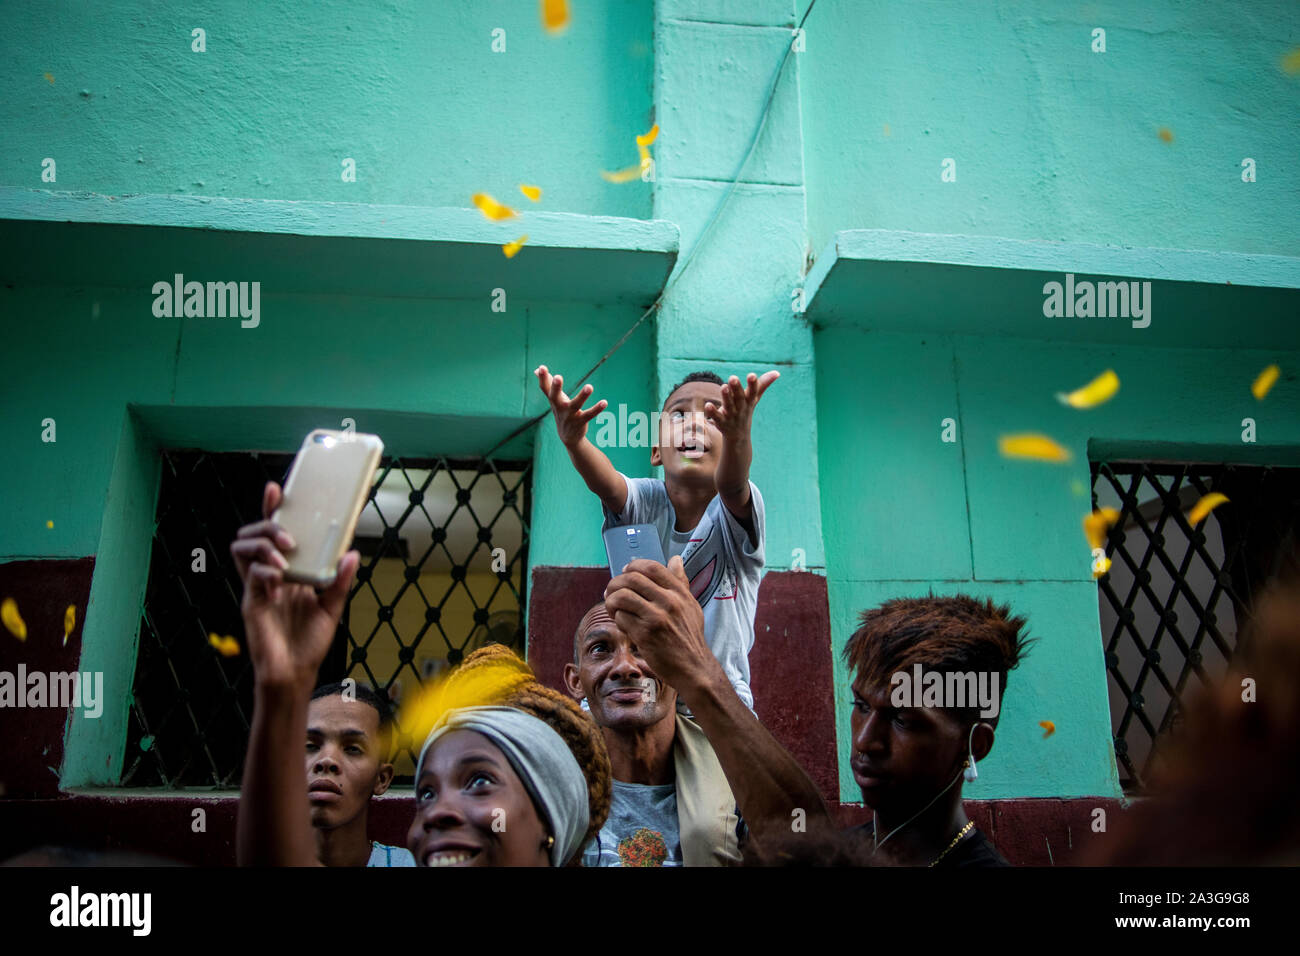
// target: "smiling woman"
[[526, 783]]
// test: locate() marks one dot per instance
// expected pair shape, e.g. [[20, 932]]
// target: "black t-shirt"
[[974, 850]]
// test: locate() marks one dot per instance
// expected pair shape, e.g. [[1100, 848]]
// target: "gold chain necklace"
[[955, 840]]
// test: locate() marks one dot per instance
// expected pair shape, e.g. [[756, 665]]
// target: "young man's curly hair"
[[567, 719]]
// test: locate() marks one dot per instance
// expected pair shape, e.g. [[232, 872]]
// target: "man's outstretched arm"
[[654, 606]]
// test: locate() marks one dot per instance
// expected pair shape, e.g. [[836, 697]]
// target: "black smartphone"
[[628, 542]]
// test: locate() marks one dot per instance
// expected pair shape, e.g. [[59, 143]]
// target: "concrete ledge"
[[979, 285], [66, 238]]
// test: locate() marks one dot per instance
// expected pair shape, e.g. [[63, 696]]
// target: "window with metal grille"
[[443, 545], [1176, 596]]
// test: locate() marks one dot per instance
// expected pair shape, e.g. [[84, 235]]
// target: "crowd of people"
[[650, 753]]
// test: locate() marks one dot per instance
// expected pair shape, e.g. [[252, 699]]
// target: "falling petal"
[[1166, 134], [69, 622], [491, 208], [887, 132], [1204, 507], [650, 137], [49, 524], [225, 646], [1290, 62], [511, 248], [1049, 728], [1100, 389], [50, 77], [555, 15], [12, 619], [1096, 524], [1265, 381], [532, 192], [1100, 566], [1037, 447], [623, 175]]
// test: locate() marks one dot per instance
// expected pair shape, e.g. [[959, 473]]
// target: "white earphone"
[[970, 774]]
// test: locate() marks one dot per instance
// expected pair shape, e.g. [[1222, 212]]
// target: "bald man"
[[671, 805]]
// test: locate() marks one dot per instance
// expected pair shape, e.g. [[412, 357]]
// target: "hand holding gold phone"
[[326, 490]]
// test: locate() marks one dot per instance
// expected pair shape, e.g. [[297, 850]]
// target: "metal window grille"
[[1176, 596], [444, 551]]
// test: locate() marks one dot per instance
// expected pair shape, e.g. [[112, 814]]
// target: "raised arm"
[[654, 606], [289, 629], [733, 418], [571, 422]]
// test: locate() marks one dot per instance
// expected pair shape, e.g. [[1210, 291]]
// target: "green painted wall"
[[906, 513], [410, 90], [1051, 140]]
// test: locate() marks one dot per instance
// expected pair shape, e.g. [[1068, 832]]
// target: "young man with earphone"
[[911, 762]]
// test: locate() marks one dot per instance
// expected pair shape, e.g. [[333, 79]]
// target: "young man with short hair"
[[348, 734], [910, 760]]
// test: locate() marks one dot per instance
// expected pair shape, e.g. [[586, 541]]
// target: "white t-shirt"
[[723, 569]]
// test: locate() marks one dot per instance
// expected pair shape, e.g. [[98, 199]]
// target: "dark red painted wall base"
[[34, 736], [1027, 832]]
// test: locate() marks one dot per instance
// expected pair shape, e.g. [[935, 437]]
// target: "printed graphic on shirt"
[[646, 847]]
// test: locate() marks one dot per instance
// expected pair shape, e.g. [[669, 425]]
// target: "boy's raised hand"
[[570, 419], [734, 416]]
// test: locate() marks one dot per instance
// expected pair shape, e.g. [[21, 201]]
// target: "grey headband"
[[542, 760]]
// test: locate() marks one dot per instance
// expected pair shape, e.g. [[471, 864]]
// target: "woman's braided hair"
[[567, 719]]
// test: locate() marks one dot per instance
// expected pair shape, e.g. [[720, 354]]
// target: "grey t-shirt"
[[641, 829], [381, 854], [723, 568]]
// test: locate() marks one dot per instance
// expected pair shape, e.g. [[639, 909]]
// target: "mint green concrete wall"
[[420, 376], [906, 513], [410, 90], [730, 309], [1051, 140]]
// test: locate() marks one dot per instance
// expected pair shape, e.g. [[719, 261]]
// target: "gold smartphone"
[[326, 490]]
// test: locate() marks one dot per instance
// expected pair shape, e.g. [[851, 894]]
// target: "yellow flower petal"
[[475, 687], [49, 524], [511, 248], [1100, 567], [650, 137], [555, 15], [1204, 507], [532, 192], [1036, 447], [1264, 381], [50, 77], [1096, 524], [1166, 134], [69, 622], [623, 175], [1290, 62], [1049, 728], [12, 619], [1100, 389], [491, 208]]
